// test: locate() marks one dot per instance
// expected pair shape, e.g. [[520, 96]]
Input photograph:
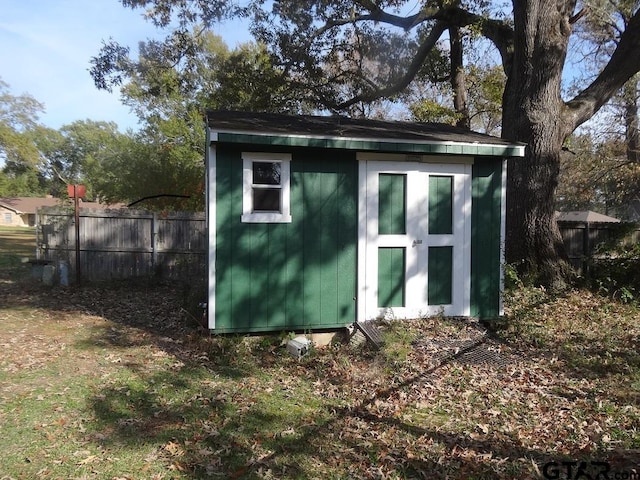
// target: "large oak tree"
[[340, 53]]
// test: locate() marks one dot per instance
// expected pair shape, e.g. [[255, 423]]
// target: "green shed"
[[319, 222]]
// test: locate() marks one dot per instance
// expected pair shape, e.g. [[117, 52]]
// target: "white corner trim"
[[466, 244], [503, 233], [211, 228], [361, 280]]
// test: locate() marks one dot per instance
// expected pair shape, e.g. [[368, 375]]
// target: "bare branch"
[[579, 15], [624, 63], [427, 45]]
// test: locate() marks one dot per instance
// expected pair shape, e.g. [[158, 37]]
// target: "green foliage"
[[512, 280], [169, 94], [165, 158], [27, 183], [75, 153], [614, 272], [18, 117], [19, 155], [485, 86], [597, 177], [430, 111], [167, 81]]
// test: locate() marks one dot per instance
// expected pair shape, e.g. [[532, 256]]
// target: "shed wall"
[[486, 218], [288, 276]]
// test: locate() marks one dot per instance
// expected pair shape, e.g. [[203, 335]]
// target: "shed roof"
[[585, 216], [343, 132]]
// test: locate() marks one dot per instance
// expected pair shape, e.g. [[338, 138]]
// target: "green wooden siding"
[[288, 276], [486, 192], [392, 204], [391, 277], [371, 145], [440, 275], [440, 205]]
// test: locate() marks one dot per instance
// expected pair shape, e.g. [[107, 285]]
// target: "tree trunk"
[[532, 114], [632, 134], [458, 83]]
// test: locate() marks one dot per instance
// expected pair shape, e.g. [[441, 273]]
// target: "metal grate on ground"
[[478, 350]]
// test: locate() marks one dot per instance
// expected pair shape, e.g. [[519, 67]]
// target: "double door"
[[414, 247]]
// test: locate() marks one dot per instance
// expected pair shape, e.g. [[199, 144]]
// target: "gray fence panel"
[[581, 240], [118, 244]]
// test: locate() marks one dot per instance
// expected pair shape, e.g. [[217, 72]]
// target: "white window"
[[265, 187]]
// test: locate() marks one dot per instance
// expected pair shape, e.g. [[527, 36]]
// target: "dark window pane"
[[266, 173], [266, 199]]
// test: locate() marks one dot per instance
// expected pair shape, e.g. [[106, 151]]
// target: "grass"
[[16, 243], [112, 382], [19, 241]]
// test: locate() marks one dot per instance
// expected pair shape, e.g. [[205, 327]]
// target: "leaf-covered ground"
[[117, 382]]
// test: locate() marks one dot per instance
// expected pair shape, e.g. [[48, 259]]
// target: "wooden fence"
[[137, 243], [581, 239], [117, 244]]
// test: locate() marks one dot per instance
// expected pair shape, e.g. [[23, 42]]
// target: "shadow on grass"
[[205, 425], [210, 407]]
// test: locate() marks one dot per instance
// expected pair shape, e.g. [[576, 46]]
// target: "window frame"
[[249, 215]]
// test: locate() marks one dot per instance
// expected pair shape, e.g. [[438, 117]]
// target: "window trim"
[[248, 214]]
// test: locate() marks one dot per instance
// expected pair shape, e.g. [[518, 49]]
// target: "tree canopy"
[[336, 55]]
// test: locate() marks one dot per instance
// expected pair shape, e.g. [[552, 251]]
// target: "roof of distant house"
[[29, 205], [585, 216]]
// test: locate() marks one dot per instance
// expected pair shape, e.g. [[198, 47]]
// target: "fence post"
[[586, 245], [38, 234], [154, 241]]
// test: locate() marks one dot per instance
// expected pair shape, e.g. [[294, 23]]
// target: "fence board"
[[581, 240], [136, 243], [116, 244]]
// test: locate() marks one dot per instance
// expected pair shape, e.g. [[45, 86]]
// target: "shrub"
[[616, 272]]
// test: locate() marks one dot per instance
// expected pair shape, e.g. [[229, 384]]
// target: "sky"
[[46, 47]]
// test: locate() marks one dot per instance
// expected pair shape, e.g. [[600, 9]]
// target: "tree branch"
[[427, 45], [579, 15], [624, 63], [376, 14]]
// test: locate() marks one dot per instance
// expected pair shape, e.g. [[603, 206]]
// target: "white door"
[[414, 246]]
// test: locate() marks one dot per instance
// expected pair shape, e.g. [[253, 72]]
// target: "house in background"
[[21, 211], [318, 222]]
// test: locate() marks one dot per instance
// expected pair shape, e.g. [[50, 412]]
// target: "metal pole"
[[77, 218]]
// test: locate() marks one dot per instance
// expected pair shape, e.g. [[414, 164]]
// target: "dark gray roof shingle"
[[343, 127]]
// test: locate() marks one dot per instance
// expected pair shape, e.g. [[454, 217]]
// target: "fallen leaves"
[[450, 402]]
